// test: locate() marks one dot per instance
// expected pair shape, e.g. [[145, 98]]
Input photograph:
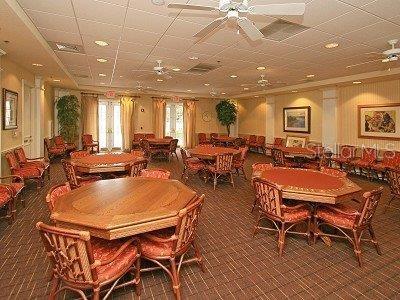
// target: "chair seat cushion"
[[361, 163], [17, 187], [382, 167], [105, 249], [296, 214], [160, 174], [56, 150], [28, 172], [70, 146], [333, 217], [5, 196], [157, 249], [340, 159], [195, 165]]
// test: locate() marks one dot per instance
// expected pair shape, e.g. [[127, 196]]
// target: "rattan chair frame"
[[40, 159], [393, 179], [222, 167], [187, 171], [11, 210], [137, 167]]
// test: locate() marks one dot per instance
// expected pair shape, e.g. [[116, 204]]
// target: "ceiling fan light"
[[310, 76], [101, 43], [206, 84], [37, 65], [193, 58], [176, 69], [102, 60], [160, 80], [331, 45], [357, 82], [261, 68], [233, 76]]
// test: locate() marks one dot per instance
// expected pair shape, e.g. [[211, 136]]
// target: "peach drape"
[[159, 117], [127, 121], [90, 115], [189, 126]]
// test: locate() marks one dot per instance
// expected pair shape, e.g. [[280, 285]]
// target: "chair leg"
[[215, 180], [357, 248], [309, 231], [175, 279], [254, 204], [199, 257], [244, 174], [231, 175], [256, 226], [96, 294], [281, 239], [373, 239], [137, 277], [315, 229], [54, 287]]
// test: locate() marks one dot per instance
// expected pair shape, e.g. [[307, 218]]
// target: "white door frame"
[[27, 141], [110, 104]]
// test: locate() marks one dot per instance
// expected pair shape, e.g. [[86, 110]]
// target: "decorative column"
[[38, 116], [1, 109], [330, 118], [270, 119]]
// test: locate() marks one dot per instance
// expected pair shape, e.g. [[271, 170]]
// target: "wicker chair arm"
[[356, 213], [117, 253], [19, 178], [158, 239]]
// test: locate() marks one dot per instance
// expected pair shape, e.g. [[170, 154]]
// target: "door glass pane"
[[179, 124], [103, 125], [168, 120], [117, 134]]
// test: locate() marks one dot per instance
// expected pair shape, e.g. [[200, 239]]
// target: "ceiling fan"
[[391, 55], [158, 70], [262, 82], [236, 13], [140, 88]]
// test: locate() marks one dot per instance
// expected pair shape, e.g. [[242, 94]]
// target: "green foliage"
[[68, 117], [226, 113]]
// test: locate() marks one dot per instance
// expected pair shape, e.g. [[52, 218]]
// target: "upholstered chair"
[[149, 136], [202, 137], [59, 142], [346, 154], [138, 153], [79, 153], [80, 263], [7, 199], [222, 167], [393, 179], [39, 162], [279, 160], [26, 172], [136, 140], [53, 150], [137, 167], [252, 140], [17, 185], [89, 144], [365, 162], [239, 160], [257, 143], [171, 150], [390, 160], [239, 142], [145, 148], [283, 217], [333, 172], [257, 169], [351, 223], [155, 173], [56, 192], [190, 165], [167, 248], [74, 180]]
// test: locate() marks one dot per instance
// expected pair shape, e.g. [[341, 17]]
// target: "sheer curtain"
[[189, 112], [159, 117], [127, 121], [90, 115]]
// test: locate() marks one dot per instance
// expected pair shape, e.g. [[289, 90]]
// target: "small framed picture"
[[297, 119], [10, 109], [296, 141], [379, 121]]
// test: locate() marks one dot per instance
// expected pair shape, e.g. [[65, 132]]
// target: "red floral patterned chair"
[[7, 199], [284, 218], [171, 245], [350, 222], [190, 165], [333, 172], [38, 162], [26, 172], [89, 264], [74, 180], [251, 140], [137, 137], [137, 167], [222, 167], [171, 150], [278, 142], [393, 179], [137, 153], [279, 160], [149, 136], [239, 160], [257, 143], [79, 153], [203, 139], [89, 144], [17, 184], [365, 163], [391, 160], [59, 142], [155, 173], [53, 150], [346, 154], [56, 192]]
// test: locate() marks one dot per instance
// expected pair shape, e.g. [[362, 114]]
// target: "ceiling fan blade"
[[192, 7], [211, 27], [287, 9], [250, 29], [364, 63]]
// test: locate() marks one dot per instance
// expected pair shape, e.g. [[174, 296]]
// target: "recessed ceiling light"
[[331, 45], [357, 82], [120, 76], [102, 60], [256, 96], [233, 76], [246, 89], [102, 75], [189, 90], [176, 69], [102, 83], [206, 84], [158, 2], [223, 93], [261, 68], [101, 43], [56, 80], [37, 65], [193, 57], [160, 80], [311, 76], [294, 91]]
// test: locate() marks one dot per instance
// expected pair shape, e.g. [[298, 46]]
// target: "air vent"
[[202, 68], [66, 47], [281, 30]]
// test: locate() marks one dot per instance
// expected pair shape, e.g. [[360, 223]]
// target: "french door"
[[110, 135], [174, 122]]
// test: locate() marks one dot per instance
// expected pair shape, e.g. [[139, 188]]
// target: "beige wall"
[[371, 93], [252, 116], [48, 109], [310, 98], [144, 120], [208, 105]]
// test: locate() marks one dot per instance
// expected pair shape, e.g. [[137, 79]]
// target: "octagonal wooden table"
[[210, 153], [115, 208], [105, 162], [311, 185]]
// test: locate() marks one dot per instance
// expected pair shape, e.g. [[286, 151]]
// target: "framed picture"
[[297, 119], [379, 121], [10, 108], [296, 141]]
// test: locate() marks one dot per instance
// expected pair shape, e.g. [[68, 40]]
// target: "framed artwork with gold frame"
[[297, 119], [10, 109]]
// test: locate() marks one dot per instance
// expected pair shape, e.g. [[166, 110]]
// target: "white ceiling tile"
[[60, 7], [141, 37], [383, 8], [134, 47], [99, 11], [89, 43], [206, 48], [156, 9], [61, 36], [131, 56], [142, 20], [73, 59], [373, 32], [396, 19], [99, 30], [52, 21], [175, 43], [183, 29], [358, 3], [308, 37]]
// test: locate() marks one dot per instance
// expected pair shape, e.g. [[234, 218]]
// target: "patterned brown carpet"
[[238, 265]]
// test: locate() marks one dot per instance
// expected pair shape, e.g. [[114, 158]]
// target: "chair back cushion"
[[224, 162], [80, 153], [369, 155], [20, 155], [347, 151], [12, 161], [252, 139], [279, 142], [278, 158], [261, 140], [393, 178], [150, 136], [155, 173], [56, 192], [367, 210], [87, 139], [138, 136], [269, 197], [59, 141], [137, 167], [69, 171], [390, 158], [69, 252], [202, 137]]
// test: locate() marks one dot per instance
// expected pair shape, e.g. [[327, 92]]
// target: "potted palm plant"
[[226, 113], [68, 117]]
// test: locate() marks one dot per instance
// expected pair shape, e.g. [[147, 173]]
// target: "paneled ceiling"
[[139, 33]]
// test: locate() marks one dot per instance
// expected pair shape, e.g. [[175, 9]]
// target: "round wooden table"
[[105, 162], [224, 140], [123, 207], [311, 185], [210, 153], [159, 142]]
